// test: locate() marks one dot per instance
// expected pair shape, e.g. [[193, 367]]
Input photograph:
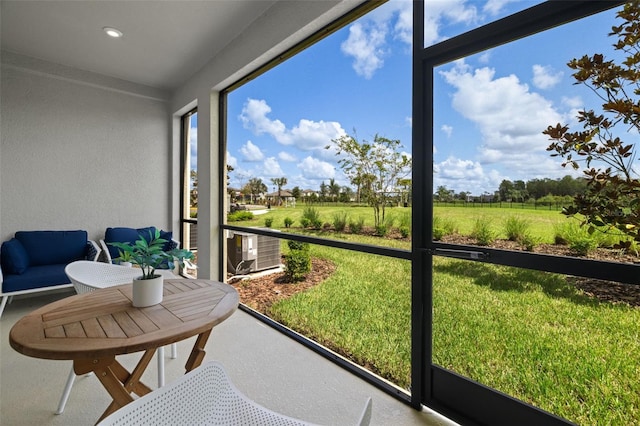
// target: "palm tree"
[[334, 190], [279, 182]]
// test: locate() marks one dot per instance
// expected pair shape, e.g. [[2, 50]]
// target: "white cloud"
[[254, 117], [368, 40], [271, 168], [544, 77], [574, 102], [193, 146], [509, 116], [251, 152], [447, 130], [285, 156], [465, 175], [231, 160], [439, 12], [493, 7], [307, 135], [313, 168], [403, 30], [366, 46], [485, 57]]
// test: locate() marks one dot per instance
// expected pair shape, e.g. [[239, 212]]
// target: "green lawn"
[[528, 334]]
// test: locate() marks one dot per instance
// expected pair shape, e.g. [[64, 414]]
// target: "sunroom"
[[96, 133]]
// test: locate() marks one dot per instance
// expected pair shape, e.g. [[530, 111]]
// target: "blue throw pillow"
[[119, 235], [147, 233], [125, 235], [15, 259], [167, 235]]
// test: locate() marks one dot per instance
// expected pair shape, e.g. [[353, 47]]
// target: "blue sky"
[[490, 108]]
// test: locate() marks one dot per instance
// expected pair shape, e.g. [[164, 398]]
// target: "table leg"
[[131, 381], [197, 353], [117, 381]]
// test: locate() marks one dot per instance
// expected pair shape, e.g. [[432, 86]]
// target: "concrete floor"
[[268, 367]]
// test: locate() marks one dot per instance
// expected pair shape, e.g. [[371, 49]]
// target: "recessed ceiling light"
[[112, 32]]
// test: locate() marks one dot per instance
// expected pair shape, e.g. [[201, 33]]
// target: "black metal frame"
[[183, 181], [455, 396], [458, 397]]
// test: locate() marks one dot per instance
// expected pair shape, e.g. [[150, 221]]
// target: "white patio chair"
[[89, 276], [204, 396]]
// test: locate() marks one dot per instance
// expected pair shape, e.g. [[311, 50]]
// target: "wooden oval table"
[[93, 328]]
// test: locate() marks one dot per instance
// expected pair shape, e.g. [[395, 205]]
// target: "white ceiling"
[[164, 43]]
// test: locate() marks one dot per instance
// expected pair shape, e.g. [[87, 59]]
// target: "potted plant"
[[124, 258], [150, 255]]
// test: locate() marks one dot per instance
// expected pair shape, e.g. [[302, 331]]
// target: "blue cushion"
[[53, 247], [125, 235], [36, 277], [15, 259], [167, 235]]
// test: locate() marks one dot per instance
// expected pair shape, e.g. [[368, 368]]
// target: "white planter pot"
[[147, 292], [126, 264]]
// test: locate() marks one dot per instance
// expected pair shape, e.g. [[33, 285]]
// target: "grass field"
[[528, 334]]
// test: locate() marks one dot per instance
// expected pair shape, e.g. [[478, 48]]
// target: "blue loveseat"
[[34, 261], [130, 235]]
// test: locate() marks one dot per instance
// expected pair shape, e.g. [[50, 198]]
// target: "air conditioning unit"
[[248, 252]]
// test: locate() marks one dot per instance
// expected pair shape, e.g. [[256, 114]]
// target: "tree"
[[334, 189], [463, 195], [296, 193], [346, 194], [254, 187], [612, 197], [193, 193], [375, 167], [505, 188], [279, 182], [405, 184], [324, 190], [443, 194]]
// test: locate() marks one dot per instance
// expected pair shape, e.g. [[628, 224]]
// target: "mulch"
[[260, 292]]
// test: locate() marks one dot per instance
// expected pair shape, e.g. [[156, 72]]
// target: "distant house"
[[285, 195], [308, 193]]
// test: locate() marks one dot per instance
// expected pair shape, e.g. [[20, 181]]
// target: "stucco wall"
[[80, 153]]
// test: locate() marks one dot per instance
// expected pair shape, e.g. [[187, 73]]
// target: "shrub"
[[389, 221], [239, 215], [566, 231], [313, 216], [405, 231], [405, 221], [297, 263], [576, 237], [583, 245], [268, 222], [515, 228], [442, 227], [297, 245], [382, 230], [340, 221], [528, 241], [305, 222], [288, 222], [356, 225], [482, 231]]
